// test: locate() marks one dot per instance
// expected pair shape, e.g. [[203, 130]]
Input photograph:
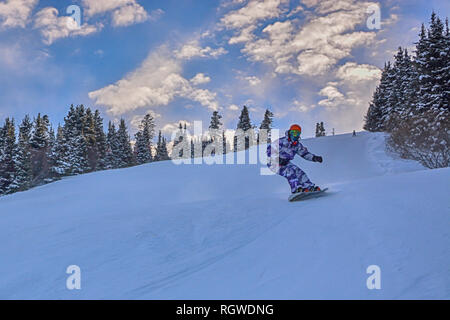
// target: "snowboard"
[[305, 195]]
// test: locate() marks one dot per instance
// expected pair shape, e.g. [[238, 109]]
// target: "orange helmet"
[[294, 133], [296, 127]]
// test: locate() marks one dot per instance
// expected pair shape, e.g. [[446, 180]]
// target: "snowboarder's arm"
[[305, 154]]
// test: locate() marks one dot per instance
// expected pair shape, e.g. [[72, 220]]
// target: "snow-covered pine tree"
[[125, 153], [265, 127], [40, 141], [322, 130], [377, 115], [192, 148], [244, 126], [100, 139], [397, 101], [22, 159], [7, 164], [59, 165], [164, 151], [445, 70], [391, 97], [51, 145], [422, 63], [438, 64], [215, 121], [144, 139], [161, 149], [89, 135], [216, 133], [372, 120], [111, 157], [74, 126], [409, 86]]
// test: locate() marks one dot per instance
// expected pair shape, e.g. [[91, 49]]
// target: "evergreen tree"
[[40, 141], [8, 168], [244, 120], [74, 127], [161, 149], [265, 127], [320, 130], [378, 112], [215, 121], [111, 158], [181, 137], [216, 134], [144, 139], [89, 134], [245, 126], [125, 153], [59, 165], [432, 63], [22, 159], [100, 139]]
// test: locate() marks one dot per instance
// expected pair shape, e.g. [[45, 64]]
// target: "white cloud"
[[301, 107], [313, 48], [155, 14], [254, 11], [93, 7], [253, 80], [245, 35], [53, 27], [200, 78], [128, 15], [16, 13], [334, 96], [233, 107], [169, 128], [157, 82], [194, 50], [137, 119], [353, 72], [124, 12]]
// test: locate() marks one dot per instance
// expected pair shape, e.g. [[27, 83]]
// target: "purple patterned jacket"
[[287, 150]]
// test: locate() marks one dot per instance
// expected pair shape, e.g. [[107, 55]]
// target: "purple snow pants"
[[294, 175]]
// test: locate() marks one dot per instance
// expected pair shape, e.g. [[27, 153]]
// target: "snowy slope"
[[162, 231]]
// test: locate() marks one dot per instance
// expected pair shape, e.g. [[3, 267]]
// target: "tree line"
[[215, 141], [411, 101], [37, 154]]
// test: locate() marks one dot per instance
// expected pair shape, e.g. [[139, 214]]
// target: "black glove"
[[317, 159]]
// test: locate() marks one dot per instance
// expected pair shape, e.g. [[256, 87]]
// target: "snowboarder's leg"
[[295, 176]]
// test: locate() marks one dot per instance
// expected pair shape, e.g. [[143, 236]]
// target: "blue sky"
[[307, 61]]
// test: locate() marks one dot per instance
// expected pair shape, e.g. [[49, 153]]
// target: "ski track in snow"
[[162, 231]]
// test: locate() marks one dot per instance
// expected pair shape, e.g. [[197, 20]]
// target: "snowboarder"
[[288, 147]]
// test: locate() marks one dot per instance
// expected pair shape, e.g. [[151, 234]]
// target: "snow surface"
[[166, 231]]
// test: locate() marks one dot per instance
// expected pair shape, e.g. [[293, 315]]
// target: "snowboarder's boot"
[[310, 189]]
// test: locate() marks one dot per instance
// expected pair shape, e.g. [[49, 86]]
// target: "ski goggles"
[[294, 133]]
